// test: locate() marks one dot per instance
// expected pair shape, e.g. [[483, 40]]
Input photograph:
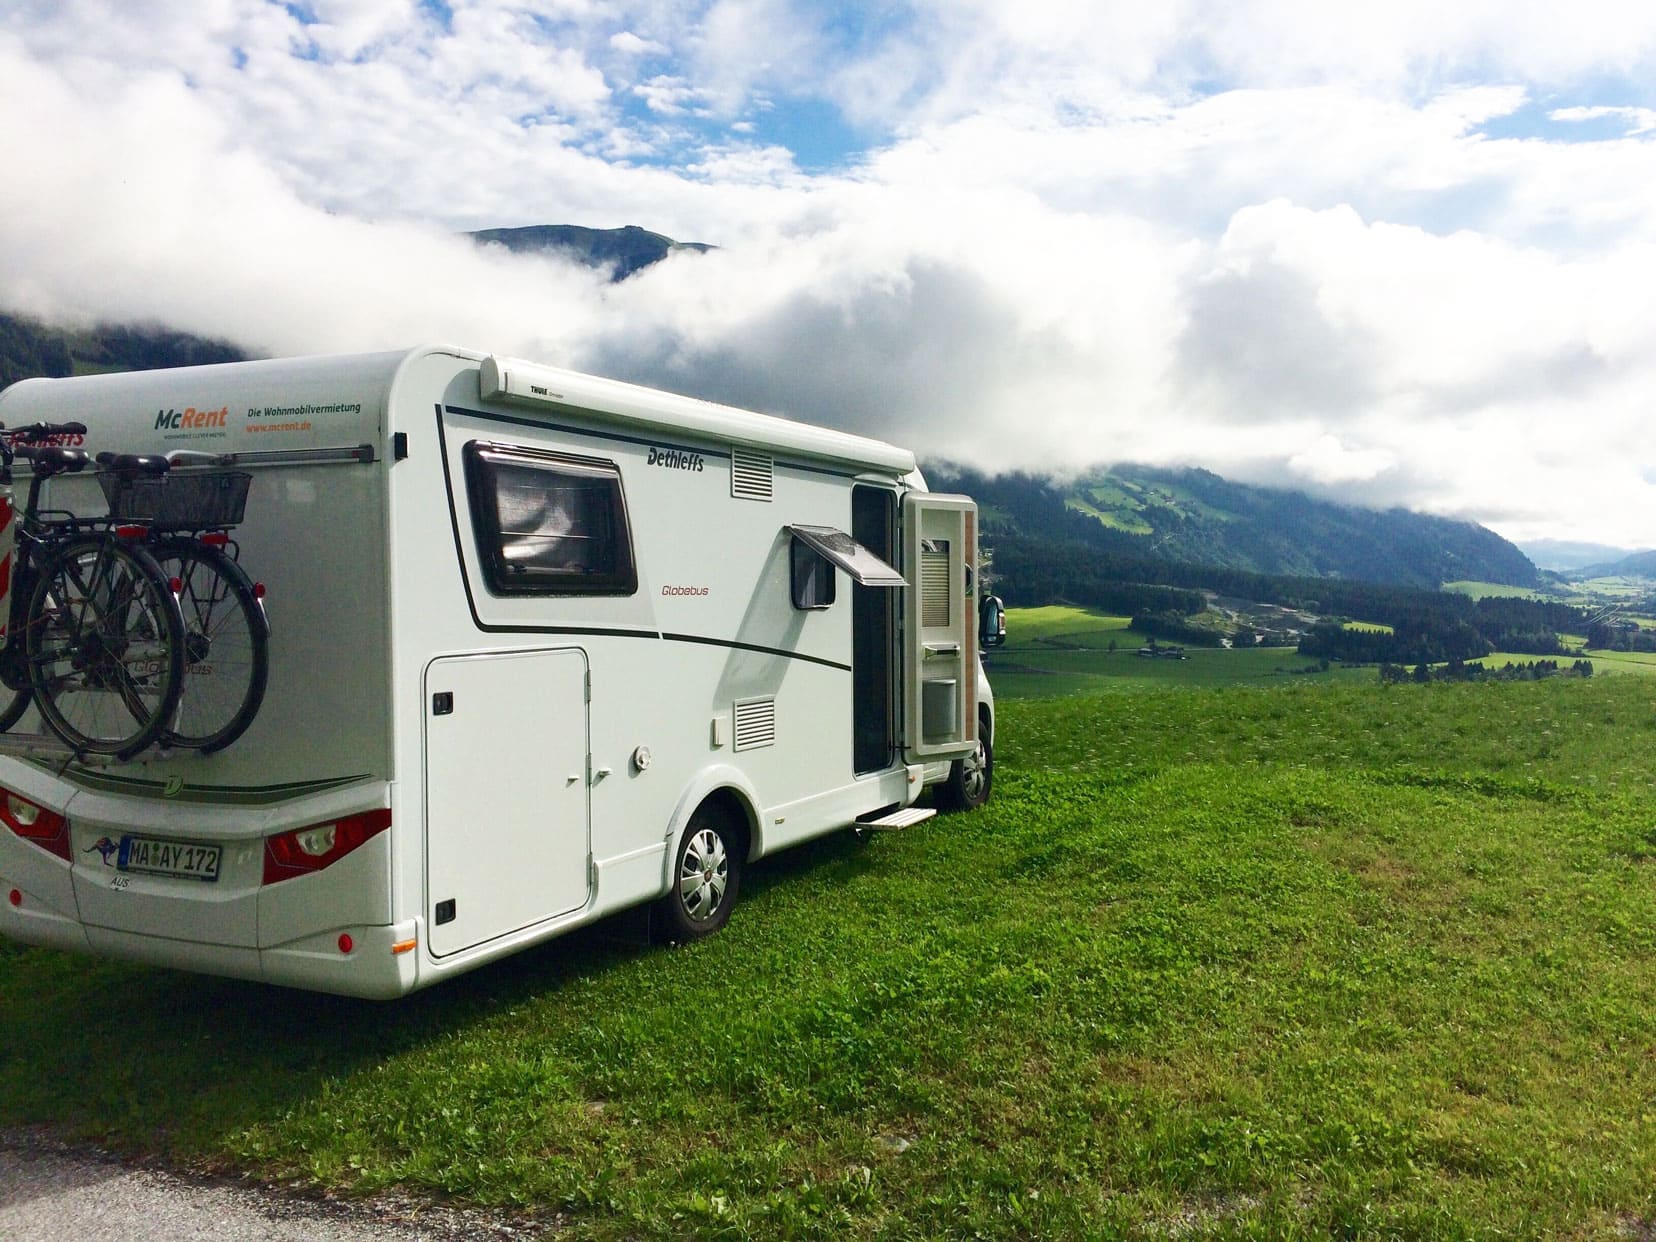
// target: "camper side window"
[[549, 524], [812, 576]]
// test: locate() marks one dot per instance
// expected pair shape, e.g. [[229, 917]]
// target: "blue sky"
[[1393, 254]]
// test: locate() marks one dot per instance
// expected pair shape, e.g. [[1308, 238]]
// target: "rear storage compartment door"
[[507, 838], [939, 627]]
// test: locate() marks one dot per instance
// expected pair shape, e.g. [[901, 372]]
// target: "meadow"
[[1291, 957], [1062, 650]]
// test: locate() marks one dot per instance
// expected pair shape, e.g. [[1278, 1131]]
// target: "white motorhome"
[[543, 647]]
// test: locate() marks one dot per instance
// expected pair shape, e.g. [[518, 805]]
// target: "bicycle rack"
[[50, 748], [47, 747]]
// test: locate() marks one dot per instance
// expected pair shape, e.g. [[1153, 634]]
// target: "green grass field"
[[1313, 960], [1060, 650], [1496, 590], [1639, 662]]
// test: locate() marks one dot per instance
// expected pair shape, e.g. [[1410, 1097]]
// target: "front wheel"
[[707, 873], [105, 648], [15, 695], [16, 703], [970, 780]]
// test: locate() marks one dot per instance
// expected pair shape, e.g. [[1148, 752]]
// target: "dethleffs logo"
[[175, 420], [675, 458]]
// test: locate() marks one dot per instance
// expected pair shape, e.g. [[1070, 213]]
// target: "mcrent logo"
[[180, 420]]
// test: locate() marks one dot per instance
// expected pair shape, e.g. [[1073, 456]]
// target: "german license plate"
[[178, 858]]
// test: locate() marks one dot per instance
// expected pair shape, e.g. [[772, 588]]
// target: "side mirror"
[[991, 622]]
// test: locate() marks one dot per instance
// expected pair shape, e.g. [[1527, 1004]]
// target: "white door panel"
[[507, 838], [939, 626]]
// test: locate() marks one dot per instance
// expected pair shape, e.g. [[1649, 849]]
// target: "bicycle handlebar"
[[32, 433]]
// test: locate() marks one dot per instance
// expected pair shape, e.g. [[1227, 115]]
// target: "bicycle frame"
[[21, 553]]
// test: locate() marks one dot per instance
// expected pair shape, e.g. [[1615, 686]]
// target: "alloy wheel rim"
[[974, 771], [703, 875]]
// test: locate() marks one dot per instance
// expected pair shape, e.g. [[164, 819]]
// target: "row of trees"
[[1456, 670], [1603, 635], [1455, 631], [1029, 573], [1173, 626]]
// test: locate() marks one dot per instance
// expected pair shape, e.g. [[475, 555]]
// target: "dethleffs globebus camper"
[[542, 647]]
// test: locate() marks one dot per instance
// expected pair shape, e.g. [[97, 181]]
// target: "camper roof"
[[341, 399], [531, 384]]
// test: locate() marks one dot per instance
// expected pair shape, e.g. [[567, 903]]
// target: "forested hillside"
[[29, 348], [1196, 517]]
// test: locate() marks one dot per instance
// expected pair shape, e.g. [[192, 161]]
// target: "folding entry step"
[[905, 818]]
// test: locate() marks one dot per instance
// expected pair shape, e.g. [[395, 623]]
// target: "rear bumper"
[[289, 932], [380, 964]]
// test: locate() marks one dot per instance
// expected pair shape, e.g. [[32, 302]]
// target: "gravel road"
[[50, 1191]]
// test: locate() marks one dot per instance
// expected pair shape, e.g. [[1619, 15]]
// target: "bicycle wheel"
[[15, 695], [16, 702], [226, 644], [105, 646]]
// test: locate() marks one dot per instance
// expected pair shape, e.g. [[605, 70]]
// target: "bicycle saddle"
[[48, 459], [133, 463]]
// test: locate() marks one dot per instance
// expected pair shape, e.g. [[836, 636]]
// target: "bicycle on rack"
[[94, 637], [189, 514]]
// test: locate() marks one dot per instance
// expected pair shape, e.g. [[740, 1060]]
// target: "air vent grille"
[[755, 724], [934, 583], [751, 475]]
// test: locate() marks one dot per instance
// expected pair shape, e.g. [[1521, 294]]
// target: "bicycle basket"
[[177, 501]]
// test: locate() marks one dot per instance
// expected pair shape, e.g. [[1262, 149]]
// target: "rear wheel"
[[105, 648], [226, 645], [707, 874]]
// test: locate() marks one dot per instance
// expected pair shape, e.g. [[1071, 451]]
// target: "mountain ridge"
[[1567, 556], [1192, 516], [625, 251], [1634, 565]]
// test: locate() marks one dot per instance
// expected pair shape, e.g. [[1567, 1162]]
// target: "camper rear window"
[[548, 524]]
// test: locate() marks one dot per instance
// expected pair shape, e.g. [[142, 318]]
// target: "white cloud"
[[630, 44], [1299, 243], [1637, 120], [1329, 463]]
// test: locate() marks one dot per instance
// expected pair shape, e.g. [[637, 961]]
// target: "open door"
[[939, 627]]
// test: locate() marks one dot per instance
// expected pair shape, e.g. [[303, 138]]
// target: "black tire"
[[17, 702], [970, 780], [707, 875], [14, 677], [226, 645], [105, 646]]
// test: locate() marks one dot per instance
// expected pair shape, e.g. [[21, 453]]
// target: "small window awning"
[[844, 551]]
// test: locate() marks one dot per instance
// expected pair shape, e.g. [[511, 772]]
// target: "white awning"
[[849, 555]]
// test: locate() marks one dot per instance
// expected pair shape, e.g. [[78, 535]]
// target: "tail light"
[[301, 851], [33, 822]]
